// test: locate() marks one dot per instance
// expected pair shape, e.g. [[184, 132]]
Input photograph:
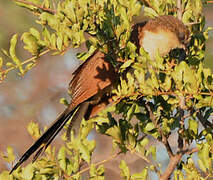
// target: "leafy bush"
[[176, 96]]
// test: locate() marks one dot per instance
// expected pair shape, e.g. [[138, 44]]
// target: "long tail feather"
[[43, 142]]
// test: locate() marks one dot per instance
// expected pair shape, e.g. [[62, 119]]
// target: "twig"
[[137, 154], [190, 151], [36, 5], [95, 164], [192, 23], [181, 119], [149, 4], [25, 62], [54, 5], [205, 124], [175, 159], [179, 10], [164, 138]]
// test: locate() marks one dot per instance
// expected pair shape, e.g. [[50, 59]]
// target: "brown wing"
[[90, 78]]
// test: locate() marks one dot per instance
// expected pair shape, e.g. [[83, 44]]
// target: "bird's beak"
[[187, 45]]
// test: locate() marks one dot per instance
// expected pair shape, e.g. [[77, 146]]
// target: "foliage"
[[165, 96]]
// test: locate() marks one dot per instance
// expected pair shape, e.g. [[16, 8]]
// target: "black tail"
[[42, 143]]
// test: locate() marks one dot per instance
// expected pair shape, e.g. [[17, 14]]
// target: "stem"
[[95, 164], [171, 166], [175, 159], [36, 5], [148, 3], [205, 123], [164, 138], [179, 9], [26, 61]]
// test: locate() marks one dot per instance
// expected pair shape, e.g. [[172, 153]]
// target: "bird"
[[93, 80]]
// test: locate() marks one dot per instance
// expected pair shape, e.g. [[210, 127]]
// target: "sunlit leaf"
[[12, 53]]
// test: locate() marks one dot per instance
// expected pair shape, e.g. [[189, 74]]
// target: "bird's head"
[[163, 34]]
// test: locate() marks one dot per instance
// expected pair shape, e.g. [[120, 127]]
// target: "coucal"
[[96, 76]]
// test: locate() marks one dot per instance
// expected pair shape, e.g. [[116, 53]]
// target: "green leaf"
[[205, 157], [150, 12], [96, 173], [131, 112], [12, 53], [51, 20], [114, 132], [30, 42], [84, 150], [28, 172], [46, 3], [29, 66], [144, 142], [35, 33], [4, 175], [149, 126], [86, 129], [167, 83], [152, 150], [201, 165], [125, 173], [143, 175], [62, 157], [9, 64], [193, 126], [59, 43], [126, 64], [33, 129], [10, 157]]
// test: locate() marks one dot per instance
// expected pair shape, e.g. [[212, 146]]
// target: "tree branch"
[[24, 62], [205, 124], [175, 159], [95, 164], [36, 5], [171, 166], [164, 138], [148, 3], [179, 9]]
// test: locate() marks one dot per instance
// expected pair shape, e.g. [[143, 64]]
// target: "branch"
[[179, 10], [24, 62], [36, 5], [164, 138], [171, 166], [95, 164], [205, 124], [148, 3], [181, 119], [192, 23], [175, 159], [139, 155], [190, 151]]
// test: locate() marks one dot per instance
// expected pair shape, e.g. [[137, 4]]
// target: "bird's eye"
[[182, 36]]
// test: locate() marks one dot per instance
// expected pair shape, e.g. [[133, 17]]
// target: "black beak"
[[187, 45]]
